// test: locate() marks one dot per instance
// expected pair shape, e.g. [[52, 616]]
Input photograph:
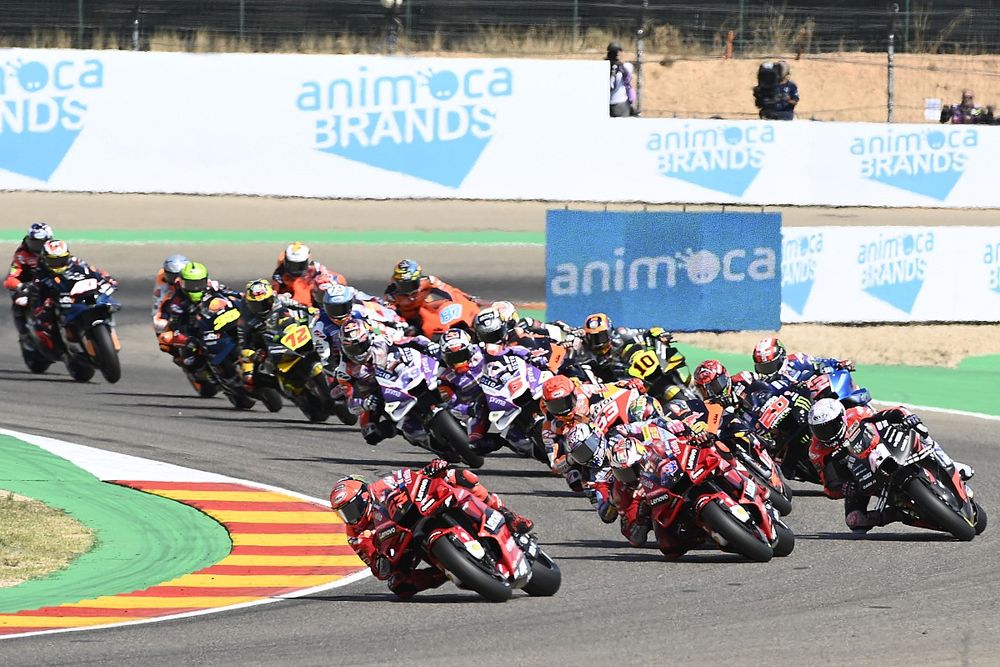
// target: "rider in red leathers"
[[362, 506], [24, 268]]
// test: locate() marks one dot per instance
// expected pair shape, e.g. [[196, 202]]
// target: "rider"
[[834, 429], [298, 274], [410, 288], [463, 365], [362, 507], [23, 270], [165, 286], [55, 261], [264, 313], [771, 361], [180, 312]]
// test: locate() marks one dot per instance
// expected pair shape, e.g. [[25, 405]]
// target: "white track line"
[[102, 465], [945, 411]]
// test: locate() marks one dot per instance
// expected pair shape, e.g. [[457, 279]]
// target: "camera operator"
[[967, 112], [622, 83], [775, 95]]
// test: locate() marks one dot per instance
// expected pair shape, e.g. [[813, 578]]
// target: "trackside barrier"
[[379, 127], [889, 274], [683, 271]]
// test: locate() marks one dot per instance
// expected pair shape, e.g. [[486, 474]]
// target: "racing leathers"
[[362, 536], [256, 331], [301, 288], [408, 305], [24, 269]]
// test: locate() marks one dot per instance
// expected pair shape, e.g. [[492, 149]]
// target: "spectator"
[[775, 95], [622, 83], [967, 112]]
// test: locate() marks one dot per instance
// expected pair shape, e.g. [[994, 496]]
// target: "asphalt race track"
[[898, 597]]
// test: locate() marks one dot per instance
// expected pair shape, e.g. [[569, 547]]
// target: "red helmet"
[[712, 380], [351, 499], [769, 356], [561, 396]]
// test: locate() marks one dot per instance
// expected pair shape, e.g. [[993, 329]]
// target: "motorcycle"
[[443, 310], [747, 447], [784, 417], [452, 530], [702, 491], [663, 369], [837, 383], [513, 389], [411, 390], [217, 342], [902, 467], [83, 332]]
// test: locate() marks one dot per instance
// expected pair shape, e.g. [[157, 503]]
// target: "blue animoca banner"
[[681, 271]]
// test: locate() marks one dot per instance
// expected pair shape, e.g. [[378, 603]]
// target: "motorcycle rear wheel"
[[344, 414], [545, 577], [447, 431], [35, 362], [737, 537], [461, 565], [935, 510], [204, 388], [105, 353], [981, 518], [80, 371], [240, 401]]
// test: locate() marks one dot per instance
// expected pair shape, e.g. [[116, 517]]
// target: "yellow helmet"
[[259, 296]]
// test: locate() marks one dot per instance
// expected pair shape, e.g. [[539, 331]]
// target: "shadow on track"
[[28, 376], [375, 463], [421, 598], [929, 536]]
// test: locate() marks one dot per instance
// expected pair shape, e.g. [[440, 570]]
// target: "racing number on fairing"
[[295, 336], [606, 416], [644, 363], [774, 409]]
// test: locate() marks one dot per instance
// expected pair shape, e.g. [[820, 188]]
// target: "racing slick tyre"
[[35, 362], [468, 570], [780, 501], [447, 431], [545, 577], [737, 537], [240, 400], [981, 518], [204, 388], [105, 354], [786, 540], [80, 371], [936, 511], [271, 398], [341, 411]]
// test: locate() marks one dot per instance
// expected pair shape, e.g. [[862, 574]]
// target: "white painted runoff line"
[[944, 411]]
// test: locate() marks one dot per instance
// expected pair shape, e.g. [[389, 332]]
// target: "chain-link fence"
[[506, 27]]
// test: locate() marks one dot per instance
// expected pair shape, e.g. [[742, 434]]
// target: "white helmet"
[[296, 258], [826, 420], [37, 235], [506, 311]]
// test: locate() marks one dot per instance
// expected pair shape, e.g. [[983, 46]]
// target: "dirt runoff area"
[[941, 345]]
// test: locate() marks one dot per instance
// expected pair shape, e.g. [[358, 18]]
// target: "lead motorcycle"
[[901, 468], [83, 330], [411, 391], [452, 530]]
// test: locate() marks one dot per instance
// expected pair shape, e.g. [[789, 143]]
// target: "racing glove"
[[372, 403], [846, 365], [436, 468]]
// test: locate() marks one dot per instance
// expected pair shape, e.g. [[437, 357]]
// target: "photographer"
[[967, 112], [775, 95], [622, 83]]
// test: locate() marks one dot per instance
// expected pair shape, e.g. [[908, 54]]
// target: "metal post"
[[739, 31], [890, 78], [135, 32], [79, 24], [243, 19], [640, 34]]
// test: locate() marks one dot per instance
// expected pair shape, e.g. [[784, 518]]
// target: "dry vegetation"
[[36, 540]]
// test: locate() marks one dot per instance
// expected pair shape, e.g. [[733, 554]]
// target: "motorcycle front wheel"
[[447, 431], [105, 354], [463, 566], [936, 511], [545, 577], [737, 537]]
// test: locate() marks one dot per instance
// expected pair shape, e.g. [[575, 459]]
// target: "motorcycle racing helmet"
[[36, 237], [490, 327], [584, 446], [769, 356], [560, 396], [351, 499], [597, 333], [626, 460], [507, 312], [194, 280], [355, 341], [456, 350], [712, 380], [407, 276], [259, 296], [296, 259], [172, 268], [338, 302], [55, 256], [827, 421]]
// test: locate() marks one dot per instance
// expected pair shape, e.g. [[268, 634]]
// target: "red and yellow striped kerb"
[[281, 544]]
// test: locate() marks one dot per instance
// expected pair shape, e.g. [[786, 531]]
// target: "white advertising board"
[[384, 127], [890, 274]]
